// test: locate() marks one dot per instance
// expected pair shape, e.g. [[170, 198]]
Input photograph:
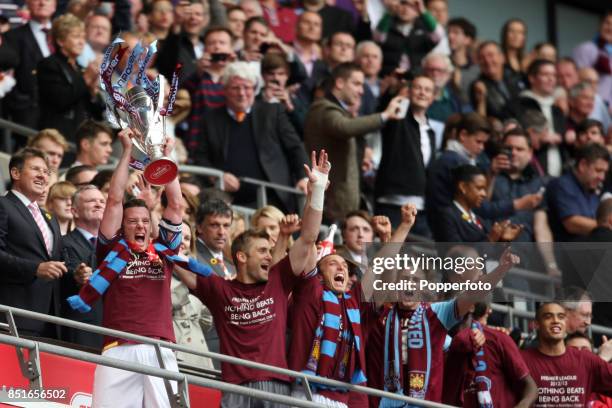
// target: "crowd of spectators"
[[483, 139]]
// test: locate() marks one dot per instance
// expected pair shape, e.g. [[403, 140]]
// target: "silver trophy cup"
[[150, 136]]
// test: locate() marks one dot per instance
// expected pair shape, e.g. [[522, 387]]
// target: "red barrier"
[[76, 378]]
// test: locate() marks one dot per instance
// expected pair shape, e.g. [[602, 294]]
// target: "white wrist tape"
[[318, 190]]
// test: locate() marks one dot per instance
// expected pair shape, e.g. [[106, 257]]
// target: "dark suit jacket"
[[455, 229], [279, 148], [24, 96], [177, 48], [77, 249], [64, 98], [22, 249]]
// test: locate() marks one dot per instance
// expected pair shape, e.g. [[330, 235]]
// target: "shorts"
[[230, 400]]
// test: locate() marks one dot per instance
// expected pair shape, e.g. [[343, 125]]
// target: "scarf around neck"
[[337, 348], [481, 379], [418, 345], [116, 262]]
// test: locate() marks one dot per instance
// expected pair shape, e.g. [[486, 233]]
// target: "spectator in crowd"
[[94, 144], [275, 73], [407, 37], [137, 301], [439, 68], [330, 125], [439, 10], [517, 179], [256, 33], [236, 18], [213, 220], [513, 40], [596, 54], [509, 381], [98, 31], [409, 147], [581, 98], [334, 18], [542, 80], [461, 39], [307, 40], [190, 317], [355, 236], [458, 223], [30, 245], [185, 47], [67, 96], [581, 371], [392, 362], [53, 145], [572, 199], [260, 336], [252, 139], [78, 253], [281, 20], [59, 204], [600, 283], [204, 86], [578, 307], [472, 133], [31, 42], [368, 55], [251, 8], [160, 14], [542, 50], [81, 175], [495, 86], [568, 76], [272, 220]]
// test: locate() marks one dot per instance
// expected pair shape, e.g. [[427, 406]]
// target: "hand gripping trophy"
[[135, 101]]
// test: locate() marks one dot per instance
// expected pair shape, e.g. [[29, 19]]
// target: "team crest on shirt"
[[417, 384]]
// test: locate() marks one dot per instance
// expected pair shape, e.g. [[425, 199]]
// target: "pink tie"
[[41, 224]]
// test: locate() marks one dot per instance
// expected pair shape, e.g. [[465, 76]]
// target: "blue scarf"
[[481, 380]]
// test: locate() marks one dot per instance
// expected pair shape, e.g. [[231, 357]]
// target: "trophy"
[[135, 101]]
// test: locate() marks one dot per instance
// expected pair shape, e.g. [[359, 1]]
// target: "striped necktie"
[[42, 226]]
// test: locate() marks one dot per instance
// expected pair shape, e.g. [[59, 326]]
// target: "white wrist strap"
[[318, 191]]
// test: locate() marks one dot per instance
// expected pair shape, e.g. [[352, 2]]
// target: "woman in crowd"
[[189, 316], [513, 40], [67, 92], [460, 222], [59, 204]]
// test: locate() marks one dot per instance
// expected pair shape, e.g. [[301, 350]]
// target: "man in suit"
[[330, 126], [32, 43], [252, 139], [78, 251], [30, 245], [213, 221]]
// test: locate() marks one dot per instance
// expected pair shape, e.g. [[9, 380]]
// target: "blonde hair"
[[269, 211], [52, 134], [61, 189], [64, 24]]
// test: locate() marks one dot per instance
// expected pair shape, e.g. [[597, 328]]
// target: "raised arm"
[[300, 253], [172, 213], [466, 299], [113, 213]]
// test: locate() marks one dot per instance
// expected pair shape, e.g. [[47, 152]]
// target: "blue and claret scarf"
[[481, 379], [115, 263], [418, 347], [347, 362]]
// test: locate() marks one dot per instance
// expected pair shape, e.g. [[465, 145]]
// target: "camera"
[[219, 57], [264, 47], [506, 151]]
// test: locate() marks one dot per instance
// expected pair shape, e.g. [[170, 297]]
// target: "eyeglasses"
[[37, 169]]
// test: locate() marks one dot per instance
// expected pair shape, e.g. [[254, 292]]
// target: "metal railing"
[[31, 370], [512, 313]]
